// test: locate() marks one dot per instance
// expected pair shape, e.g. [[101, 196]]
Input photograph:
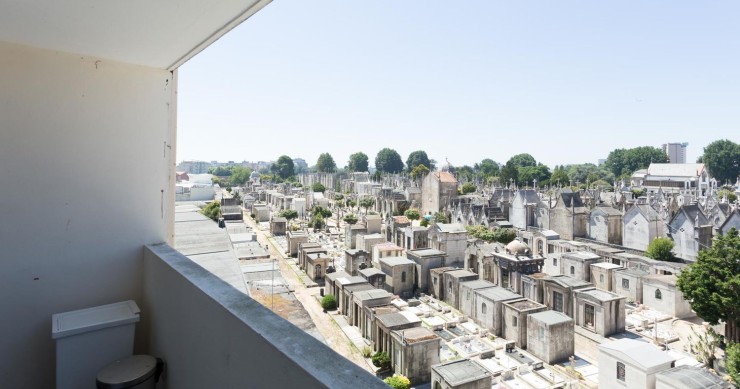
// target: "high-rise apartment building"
[[676, 152]]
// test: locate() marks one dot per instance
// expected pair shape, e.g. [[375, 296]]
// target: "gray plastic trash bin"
[[138, 371]]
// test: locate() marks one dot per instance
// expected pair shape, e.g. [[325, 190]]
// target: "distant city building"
[[601, 161], [194, 167], [676, 152]]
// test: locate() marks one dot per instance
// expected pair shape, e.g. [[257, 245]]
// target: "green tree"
[[318, 187], [481, 232], [357, 162], [661, 249], [417, 158], [351, 203], [398, 382], [317, 222], [382, 360], [722, 158], [468, 187], [539, 172], [623, 162], [289, 214], [588, 172], [733, 362], [325, 163], [283, 168], [412, 214], [329, 302], [388, 161], [504, 235], [367, 202], [424, 222], [559, 177], [321, 211], [508, 174], [440, 217], [350, 218], [711, 284], [731, 196], [522, 160], [240, 175], [488, 168], [465, 173], [420, 171]]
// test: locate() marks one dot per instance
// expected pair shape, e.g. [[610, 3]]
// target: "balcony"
[[212, 335]]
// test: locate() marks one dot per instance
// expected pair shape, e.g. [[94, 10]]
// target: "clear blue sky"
[[566, 81]]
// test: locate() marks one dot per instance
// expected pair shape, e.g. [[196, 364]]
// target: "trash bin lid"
[[127, 372], [95, 318]]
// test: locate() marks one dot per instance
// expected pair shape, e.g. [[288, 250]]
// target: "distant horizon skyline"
[[564, 82]]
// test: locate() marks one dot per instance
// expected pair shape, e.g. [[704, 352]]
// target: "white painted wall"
[[87, 163]]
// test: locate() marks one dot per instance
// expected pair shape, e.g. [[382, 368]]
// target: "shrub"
[[318, 187], [382, 360], [468, 187], [398, 382], [329, 302], [661, 249], [212, 210], [733, 362], [424, 222], [412, 214], [350, 219], [367, 351], [288, 214]]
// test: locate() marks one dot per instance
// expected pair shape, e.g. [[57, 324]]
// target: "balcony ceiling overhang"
[[155, 33]]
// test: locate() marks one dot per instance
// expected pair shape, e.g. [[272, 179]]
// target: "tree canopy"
[[412, 214], [388, 161], [522, 160], [420, 171], [240, 175], [559, 177], [661, 249], [722, 158], [487, 169], [283, 168], [318, 187], [465, 173], [288, 214], [468, 187], [325, 163], [350, 218], [367, 202], [357, 162], [624, 162], [417, 158], [712, 283]]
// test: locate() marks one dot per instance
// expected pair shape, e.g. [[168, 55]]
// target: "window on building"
[[589, 315], [601, 278], [625, 283], [572, 270], [467, 296], [514, 321], [483, 308], [658, 294], [434, 280], [542, 332], [620, 371], [504, 278], [554, 261], [403, 276], [557, 301]]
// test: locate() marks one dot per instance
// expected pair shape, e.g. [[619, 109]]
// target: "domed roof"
[[516, 247]]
